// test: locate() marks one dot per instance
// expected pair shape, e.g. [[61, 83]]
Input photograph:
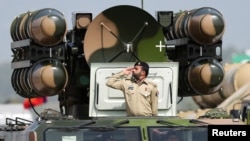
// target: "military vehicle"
[[183, 49]]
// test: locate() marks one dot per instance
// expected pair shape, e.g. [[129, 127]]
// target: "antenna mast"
[[141, 4]]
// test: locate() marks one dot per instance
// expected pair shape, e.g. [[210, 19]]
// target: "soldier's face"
[[137, 72]]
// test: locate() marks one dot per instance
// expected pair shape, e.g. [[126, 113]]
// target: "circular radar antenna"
[[124, 34]]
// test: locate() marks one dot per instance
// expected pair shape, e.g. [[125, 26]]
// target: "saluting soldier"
[[141, 94]]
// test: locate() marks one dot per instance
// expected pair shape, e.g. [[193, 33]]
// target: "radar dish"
[[124, 34]]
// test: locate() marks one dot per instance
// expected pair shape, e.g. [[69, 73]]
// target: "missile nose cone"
[[52, 29], [212, 25], [48, 77], [53, 26], [52, 77], [205, 75], [211, 75], [206, 26], [48, 27]]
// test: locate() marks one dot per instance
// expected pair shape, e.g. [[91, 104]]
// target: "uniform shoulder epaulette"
[[152, 83]]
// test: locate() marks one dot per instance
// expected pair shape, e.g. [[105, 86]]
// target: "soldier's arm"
[[154, 98], [115, 81]]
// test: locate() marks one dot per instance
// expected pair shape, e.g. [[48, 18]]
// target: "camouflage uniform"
[[141, 98]]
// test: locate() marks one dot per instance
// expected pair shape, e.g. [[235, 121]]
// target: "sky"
[[235, 13]]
